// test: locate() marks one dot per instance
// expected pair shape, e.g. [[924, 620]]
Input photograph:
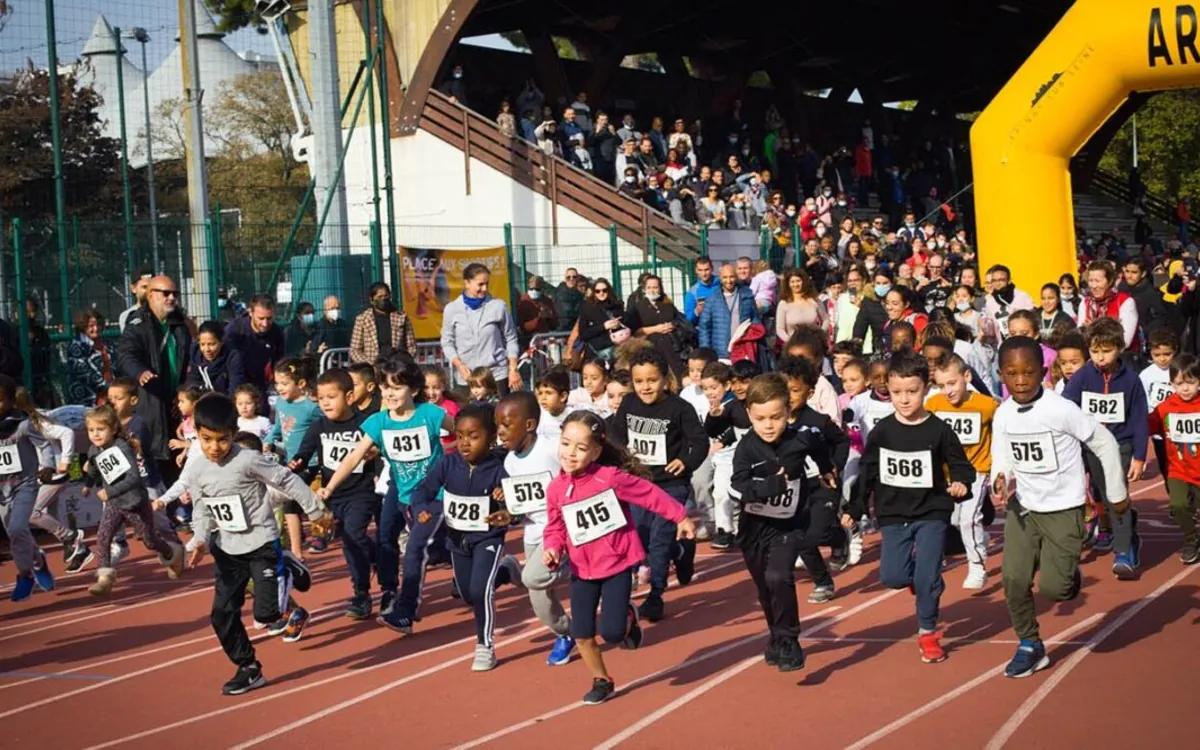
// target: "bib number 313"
[[591, 519]]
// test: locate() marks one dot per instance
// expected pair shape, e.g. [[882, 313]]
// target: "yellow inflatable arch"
[[1100, 52]]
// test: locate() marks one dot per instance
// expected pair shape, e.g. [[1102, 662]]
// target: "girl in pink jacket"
[[589, 521]]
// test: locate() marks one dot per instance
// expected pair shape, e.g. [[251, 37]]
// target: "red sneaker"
[[931, 648]]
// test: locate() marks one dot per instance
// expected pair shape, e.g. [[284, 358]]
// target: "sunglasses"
[[571, 277], [166, 292], [601, 290]]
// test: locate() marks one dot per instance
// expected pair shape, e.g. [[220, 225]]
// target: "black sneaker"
[[80, 556], [71, 544], [633, 630], [246, 679], [685, 565], [652, 608], [279, 627], [771, 654], [791, 656], [1190, 553], [387, 602], [360, 607], [600, 692], [722, 540], [396, 622]]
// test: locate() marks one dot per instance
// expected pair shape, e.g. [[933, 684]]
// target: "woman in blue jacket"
[[215, 366]]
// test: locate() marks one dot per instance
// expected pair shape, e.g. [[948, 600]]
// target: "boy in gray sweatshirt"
[[232, 517]]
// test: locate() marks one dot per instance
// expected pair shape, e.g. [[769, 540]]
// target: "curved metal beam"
[[436, 47]]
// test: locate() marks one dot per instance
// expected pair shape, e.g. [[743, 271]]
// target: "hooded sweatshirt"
[[462, 494], [23, 451], [1117, 401]]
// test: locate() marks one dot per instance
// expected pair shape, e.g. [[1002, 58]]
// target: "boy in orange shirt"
[[1177, 420], [969, 413]]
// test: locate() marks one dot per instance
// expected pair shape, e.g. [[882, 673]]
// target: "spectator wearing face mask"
[[825, 203], [580, 156], [298, 336], [333, 331], [454, 86], [630, 185], [628, 130], [628, 159], [535, 312], [381, 328]]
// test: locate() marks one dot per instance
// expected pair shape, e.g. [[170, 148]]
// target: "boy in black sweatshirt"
[[726, 422], [335, 436], [821, 515], [768, 482], [663, 431], [905, 466]]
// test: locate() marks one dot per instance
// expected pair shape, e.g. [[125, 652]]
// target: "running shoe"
[[771, 653], [118, 551], [485, 659], [22, 589], [1123, 566], [387, 602], [318, 544], [106, 578], [295, 625], [652, 609], [260, 625], [643, 575], [359, 607], [279, 627], [976, 577], [839, 557], [633, 630], [930, 645], [246, 679], [1030, 657], [702, 533], [1103, 542], [601, 691], [561, 653], [72, 544], [791, 656], [80, 557], [396, 622], [42, 575], [821, 595], [855, 546], [685, 564], [722, 541], [1189, 554]]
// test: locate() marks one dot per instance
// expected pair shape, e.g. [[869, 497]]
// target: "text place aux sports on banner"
[[432, 278]]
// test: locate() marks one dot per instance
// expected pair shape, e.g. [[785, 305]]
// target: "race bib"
[[407, 445], [10, 459], [966, 424], [1034, 453], [782, 506], [1107, 408], [1157, 393], [526, 494], [876, 412], [112, 464], [651, 449], [591, 519], [1183, 428], [466, 513], [228, 512], [333, 452], [905, 469]]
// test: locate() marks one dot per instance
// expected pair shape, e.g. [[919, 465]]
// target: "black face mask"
[[1006, 294]]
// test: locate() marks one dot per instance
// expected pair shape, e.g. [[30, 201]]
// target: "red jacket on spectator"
[[863, 166], [807, 221]]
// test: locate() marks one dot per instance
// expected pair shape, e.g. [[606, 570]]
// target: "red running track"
[[144, 668]]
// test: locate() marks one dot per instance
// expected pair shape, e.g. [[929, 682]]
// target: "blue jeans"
[[912, 555], [359, 549], [658, 537]]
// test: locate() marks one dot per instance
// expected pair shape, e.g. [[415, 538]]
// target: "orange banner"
[[431, 278]]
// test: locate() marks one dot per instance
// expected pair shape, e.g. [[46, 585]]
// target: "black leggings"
[[611, 595]]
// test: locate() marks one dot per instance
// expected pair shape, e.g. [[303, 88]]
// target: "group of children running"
[[605, 480]]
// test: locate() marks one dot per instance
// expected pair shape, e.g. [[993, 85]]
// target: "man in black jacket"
[[1138, 284], [154, 350], [260, 340]]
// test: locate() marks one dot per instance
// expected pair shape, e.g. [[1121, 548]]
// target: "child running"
[[1156, 379], [112, 462], [295, 412], [464, 488], [1037, 466], [1112, 394], [589, 521], [408, 435], [553, 389], [334, 437], [234, 519], [531, 464], [366, 390], [663, 432], [25, 458], [1176, 424], [726, 422], [970, 414], [916, 469], [593, 392], [438, 393], [247, 398], [768, 481]]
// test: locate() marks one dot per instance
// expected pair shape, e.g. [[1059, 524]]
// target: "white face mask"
[[333, 314], [841, 203], [653, 297], [630, 179], [534, 293]]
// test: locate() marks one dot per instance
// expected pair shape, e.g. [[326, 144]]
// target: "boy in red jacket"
[[1177, 420]]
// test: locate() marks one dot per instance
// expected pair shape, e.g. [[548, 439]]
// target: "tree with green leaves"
[[232, 15], [1168, 133]]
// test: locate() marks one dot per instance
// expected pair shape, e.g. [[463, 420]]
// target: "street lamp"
[[141, 36]]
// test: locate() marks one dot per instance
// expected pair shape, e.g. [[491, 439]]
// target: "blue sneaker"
[[23, 588], [561, 653], [1125, 564], [42, 575], [1103, 541], [1030, 657]]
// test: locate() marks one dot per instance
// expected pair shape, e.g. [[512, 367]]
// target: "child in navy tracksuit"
[[469, 484], [1113, 394]]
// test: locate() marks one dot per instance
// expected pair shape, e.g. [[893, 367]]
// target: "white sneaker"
[[485, 659], [117, 553], [643, 576], [260, 625], [976, 577], [856, 547], [702, 533]]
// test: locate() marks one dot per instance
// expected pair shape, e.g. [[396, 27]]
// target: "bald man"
[[725, 309], [333, 330], [153, 351]]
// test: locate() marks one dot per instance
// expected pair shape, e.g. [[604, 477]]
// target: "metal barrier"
[[334, 358], [545, 350]]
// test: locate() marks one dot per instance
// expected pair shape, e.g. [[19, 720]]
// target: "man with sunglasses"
[[567, 298], [153, 350]]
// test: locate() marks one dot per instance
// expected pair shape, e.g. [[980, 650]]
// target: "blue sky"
[[25, 35]]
